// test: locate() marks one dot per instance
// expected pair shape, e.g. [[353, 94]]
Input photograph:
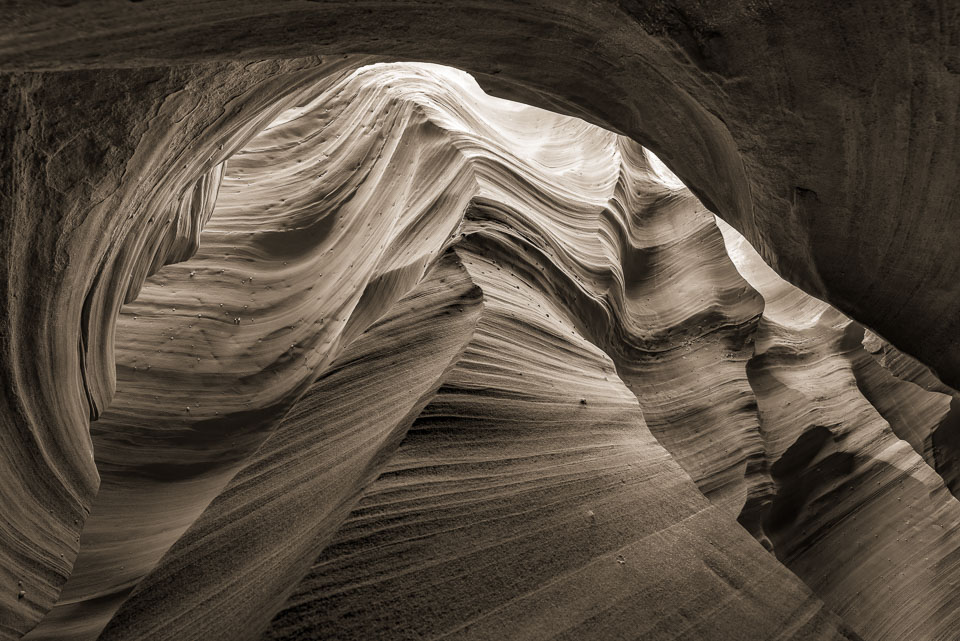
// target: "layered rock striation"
[[399, 359]]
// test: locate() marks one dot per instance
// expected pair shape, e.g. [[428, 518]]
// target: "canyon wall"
[[830, 144]]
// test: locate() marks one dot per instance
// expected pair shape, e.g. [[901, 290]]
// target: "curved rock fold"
[[358, 350]]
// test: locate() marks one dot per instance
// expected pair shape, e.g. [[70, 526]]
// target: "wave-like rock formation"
[[309, 347], [854, 506]]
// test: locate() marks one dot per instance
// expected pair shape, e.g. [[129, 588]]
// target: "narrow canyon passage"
[[187, 273], [448, 366]]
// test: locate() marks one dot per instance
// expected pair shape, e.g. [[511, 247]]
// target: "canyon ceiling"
[[307, 336]]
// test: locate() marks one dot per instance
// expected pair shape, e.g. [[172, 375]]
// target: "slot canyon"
[[479, 319]]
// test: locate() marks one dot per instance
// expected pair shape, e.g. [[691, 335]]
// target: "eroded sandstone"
[[760, 405]]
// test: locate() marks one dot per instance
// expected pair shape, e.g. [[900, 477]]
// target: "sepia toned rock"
[[481, 320]]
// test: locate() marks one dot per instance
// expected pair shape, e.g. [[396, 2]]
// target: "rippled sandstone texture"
[[811, 136], [506, 471]]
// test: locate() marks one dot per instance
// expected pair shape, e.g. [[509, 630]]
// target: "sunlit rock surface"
[[546, 257], [433, 364], [856, 512]]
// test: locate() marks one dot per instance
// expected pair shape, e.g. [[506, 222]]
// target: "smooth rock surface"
[[481, 369]]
